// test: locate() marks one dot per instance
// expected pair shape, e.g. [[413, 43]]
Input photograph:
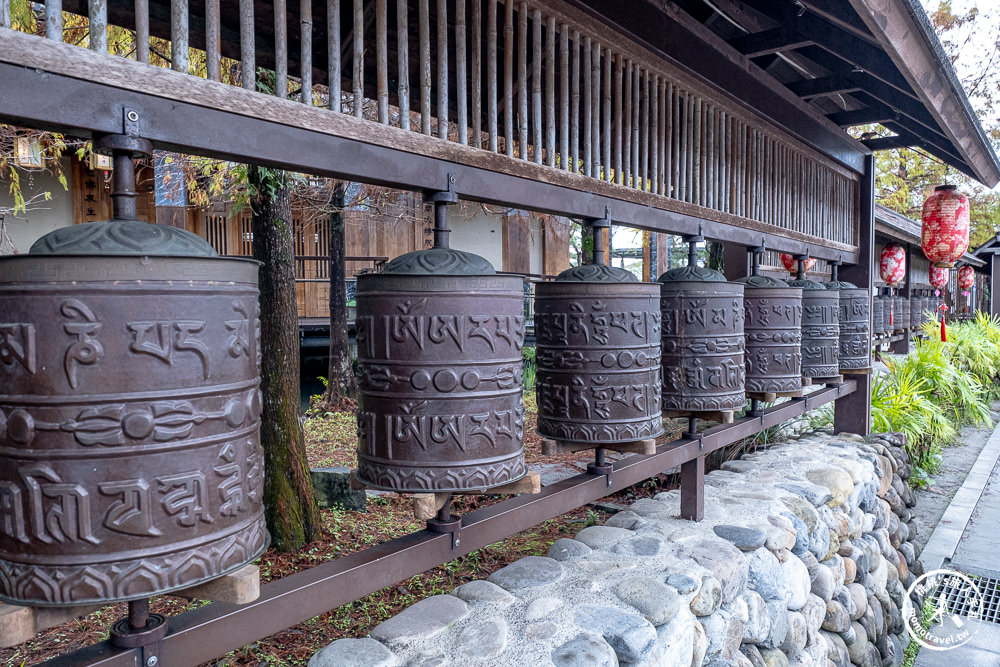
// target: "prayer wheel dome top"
[[805, 284], [122, 237], [840, 284], [596, 273], [764, 282], [692, 274], [440, 262]]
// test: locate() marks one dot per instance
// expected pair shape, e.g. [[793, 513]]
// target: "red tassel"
[[944, 332]]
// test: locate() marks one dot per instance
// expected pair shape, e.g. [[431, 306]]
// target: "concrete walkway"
[[967, 540]]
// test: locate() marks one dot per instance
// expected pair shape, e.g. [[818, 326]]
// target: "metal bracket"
[[446, 196], [600, 466], [601, 222], [453, 526]]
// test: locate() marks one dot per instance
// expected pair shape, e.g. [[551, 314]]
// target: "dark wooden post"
[[995, 284], [903, 346], [693, 489], [852, 413], [735, 260]]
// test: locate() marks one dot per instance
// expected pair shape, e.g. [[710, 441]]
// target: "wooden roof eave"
[[905, 34]]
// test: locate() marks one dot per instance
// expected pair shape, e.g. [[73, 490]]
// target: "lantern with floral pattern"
[[966, 277], [892, 264], [938, 278], [791, 264], [944, 235]]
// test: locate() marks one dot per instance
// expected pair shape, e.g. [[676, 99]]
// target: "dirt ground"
[[958, 459]]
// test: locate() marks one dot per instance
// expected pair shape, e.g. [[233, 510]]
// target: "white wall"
[[472, 230], [45, 216]]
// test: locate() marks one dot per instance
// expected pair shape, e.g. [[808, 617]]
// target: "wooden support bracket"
[[856, 371], [427, 505], [772, 396], [239, 587], [721, 416], [647, 447], [19, 623]]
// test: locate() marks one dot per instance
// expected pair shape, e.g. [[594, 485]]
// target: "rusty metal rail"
[[207, 632]]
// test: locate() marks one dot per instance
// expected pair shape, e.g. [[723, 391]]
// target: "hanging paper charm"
[[892, 264], [944, 234], [792, 265]]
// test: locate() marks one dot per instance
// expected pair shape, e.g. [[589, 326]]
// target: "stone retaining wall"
[[802, 559]]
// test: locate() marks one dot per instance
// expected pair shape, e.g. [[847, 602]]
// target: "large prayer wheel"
[[597, 333], [820, 329], [901, 313], [878, 316], [130, 463], [853, 320], [916, 311], [440, 374], [703, 343], [773, 316]]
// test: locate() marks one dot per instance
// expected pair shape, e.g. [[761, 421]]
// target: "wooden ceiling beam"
[[837, 84], [865, 116], [766, 42], [889, 143]]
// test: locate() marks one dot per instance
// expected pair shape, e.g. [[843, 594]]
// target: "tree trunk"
[[289, 503], [340, 377]]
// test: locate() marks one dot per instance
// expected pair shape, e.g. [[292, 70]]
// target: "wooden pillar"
[[995, 285], [736, 261], [852, 413], [903, 346]]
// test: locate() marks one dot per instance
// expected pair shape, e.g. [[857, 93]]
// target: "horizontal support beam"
[[865, 116], [766, 42], [823, 86], [203, 634], [889, 143], [288, 135]]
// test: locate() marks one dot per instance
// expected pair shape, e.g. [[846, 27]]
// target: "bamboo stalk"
[[508, 77], [588, 107], [522, 79], [654, 146], [403, 62], [306, 49], [358, 74], [618, 118], [627, 166], [98, 13], [442, 61], [606, 119], [476, 73], [636, 102], [644, 138], [54, 24], [381, 60], [460, 83], [536, 85], [281, 48], [213, 43], [564, 97], [5, 15], [179, 38], [595, 116], [550, 93], [248, 67], [424, 37], [491, 73], [709, 158], [575, 104]]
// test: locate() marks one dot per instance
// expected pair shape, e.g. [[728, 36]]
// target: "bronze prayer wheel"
[[853, 321], [703, 343], [440, 374], [773, 315], [878, 316], [901, 312], [597, 332], [130, 463], [916, 311], [820, 329]]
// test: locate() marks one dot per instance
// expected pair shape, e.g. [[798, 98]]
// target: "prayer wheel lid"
[[692, 274], [805, 284], [439, 262], [596, 273], [122, 237], [765, 282], [840, 284]]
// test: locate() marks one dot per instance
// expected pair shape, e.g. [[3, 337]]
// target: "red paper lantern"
[[944, 235], [792, 265], [938, 277], [966, 277], [892, 264]]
